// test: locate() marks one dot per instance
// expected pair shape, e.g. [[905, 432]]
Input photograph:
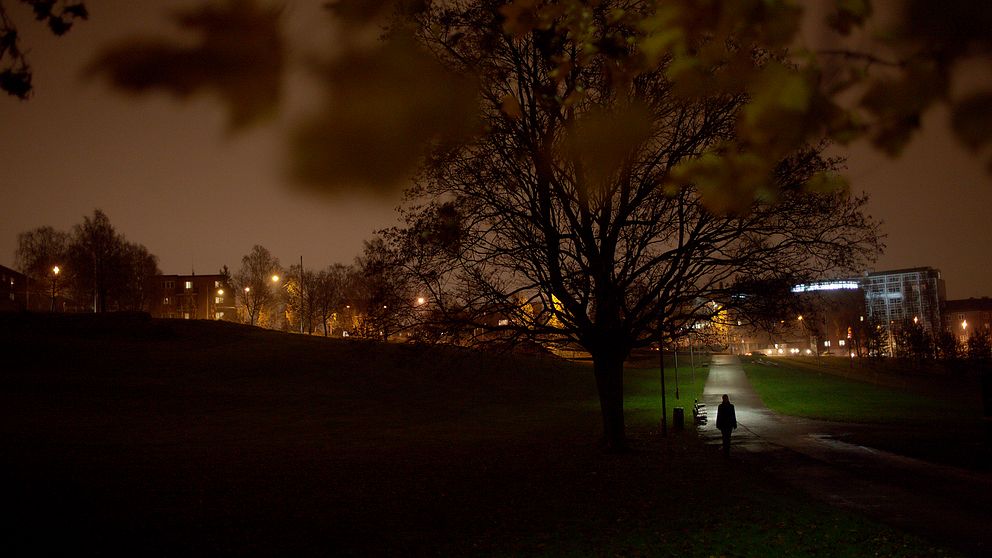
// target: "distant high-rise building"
[[893, 297]]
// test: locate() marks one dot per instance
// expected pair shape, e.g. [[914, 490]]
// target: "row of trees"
[[95, 263], [915, 342], [370, 298]]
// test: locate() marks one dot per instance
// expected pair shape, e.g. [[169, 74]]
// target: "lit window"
[[220, 315], [841, 342], [189, 285], [165, 300], [218, 300], [826, 343], [504, 322], [216, 284]]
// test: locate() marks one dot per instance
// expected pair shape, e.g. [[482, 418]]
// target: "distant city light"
[[826, 286]]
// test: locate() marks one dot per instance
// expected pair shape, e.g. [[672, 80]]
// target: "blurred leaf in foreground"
[[239, 57]]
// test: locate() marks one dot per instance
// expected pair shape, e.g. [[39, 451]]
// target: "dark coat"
[[726, 418]]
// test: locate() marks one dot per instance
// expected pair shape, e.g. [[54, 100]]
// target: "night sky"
[[169, 176]]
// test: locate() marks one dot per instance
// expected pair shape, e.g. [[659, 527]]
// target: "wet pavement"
[[948, 505]]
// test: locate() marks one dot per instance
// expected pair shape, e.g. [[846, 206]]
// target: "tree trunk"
[[608, 367]]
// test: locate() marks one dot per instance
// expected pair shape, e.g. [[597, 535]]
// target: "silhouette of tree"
[[980, 346], [329, 295], [39, 250], [576, 197], [253, 283], [380, 291], [139, 265], [913, 341], [947, 344], [96, 263]]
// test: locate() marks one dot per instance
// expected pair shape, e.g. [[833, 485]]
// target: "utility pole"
[[301, 294]]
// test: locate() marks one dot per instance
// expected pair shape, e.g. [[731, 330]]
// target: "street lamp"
[[251, 319], [55, 277]]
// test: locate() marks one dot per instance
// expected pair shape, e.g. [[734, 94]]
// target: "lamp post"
[[251, 319], [55, 278]]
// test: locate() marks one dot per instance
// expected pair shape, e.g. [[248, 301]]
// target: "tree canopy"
[[573, 215], [98, 263]]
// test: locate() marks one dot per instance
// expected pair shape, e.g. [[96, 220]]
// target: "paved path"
[[952, 506]]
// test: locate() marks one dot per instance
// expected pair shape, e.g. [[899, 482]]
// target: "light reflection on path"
[[944, 502]]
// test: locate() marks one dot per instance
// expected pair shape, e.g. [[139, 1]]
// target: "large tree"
[[95, 258], [576, 198]]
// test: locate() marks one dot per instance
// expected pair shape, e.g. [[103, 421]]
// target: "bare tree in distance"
[[138, 266], [94, 255], [254, 283], [38, 252], [329, 296], [576, 198], [380, 291], [300, 299]]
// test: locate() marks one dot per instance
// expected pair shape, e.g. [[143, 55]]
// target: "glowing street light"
[[55, 277], [421, 300], [275, 278]]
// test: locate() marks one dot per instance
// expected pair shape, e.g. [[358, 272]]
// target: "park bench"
[[699, 413]]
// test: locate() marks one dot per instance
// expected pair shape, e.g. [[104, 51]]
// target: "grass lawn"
[[937, 418], [125, 435]]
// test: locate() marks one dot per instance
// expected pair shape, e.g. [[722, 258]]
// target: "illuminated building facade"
[[193, 297], [893, 297], [839, 311]]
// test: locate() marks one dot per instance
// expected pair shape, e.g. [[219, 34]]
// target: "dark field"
[[121, 434]]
